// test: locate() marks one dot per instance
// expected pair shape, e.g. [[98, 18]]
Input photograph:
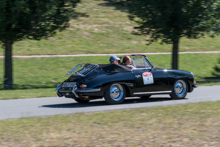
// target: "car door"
[[150, 79]]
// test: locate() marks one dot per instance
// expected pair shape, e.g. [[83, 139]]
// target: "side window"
[[140, 62]]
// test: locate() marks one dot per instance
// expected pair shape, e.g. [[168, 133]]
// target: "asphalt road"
[[55, 105]]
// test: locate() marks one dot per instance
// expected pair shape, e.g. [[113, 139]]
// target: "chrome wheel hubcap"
[[180, 88], [116, 92]]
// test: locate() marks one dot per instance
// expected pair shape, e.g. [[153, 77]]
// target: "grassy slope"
[[105, 30], [191, 125]]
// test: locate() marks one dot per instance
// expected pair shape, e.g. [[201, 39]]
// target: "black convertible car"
[[115, 82]]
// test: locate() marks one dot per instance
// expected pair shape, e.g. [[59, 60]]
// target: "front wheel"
[[180, 89], [115, 94]]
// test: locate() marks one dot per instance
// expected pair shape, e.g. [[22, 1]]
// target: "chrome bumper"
[[60, 92], [87, 90], [194, 86]]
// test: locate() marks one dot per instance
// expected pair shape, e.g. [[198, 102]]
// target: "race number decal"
[[148, 78]]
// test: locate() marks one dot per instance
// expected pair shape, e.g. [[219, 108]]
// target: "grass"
[[105, 30], [38, 77], [195, 125], [27, 93]]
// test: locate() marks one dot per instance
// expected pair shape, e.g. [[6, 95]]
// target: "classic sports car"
[[115, 82]]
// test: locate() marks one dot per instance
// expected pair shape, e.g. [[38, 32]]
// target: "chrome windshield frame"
[[146, 59]]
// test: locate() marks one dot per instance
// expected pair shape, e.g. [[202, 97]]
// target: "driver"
[[114, 59]]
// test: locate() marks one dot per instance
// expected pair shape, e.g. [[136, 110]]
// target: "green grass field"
[[191, 125], [41, 75]]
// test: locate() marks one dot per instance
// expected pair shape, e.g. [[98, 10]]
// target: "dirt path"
[[76, 55]]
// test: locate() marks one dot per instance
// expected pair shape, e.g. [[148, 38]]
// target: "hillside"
[[103, 29]]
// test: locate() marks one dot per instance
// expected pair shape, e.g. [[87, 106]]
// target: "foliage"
[[30, 20], [34, 19], [169, 20], [216, 68]]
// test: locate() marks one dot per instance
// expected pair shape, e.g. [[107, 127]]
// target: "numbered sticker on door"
[[148, 78]]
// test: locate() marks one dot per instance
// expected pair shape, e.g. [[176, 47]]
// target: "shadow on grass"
[[213, 78], [101, 102], [118, 5]]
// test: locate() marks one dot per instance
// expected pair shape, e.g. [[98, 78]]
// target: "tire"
[[115, 94], [82, 101], [145, 97], [180, 89]]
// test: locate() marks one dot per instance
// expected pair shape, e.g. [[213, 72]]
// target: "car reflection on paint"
[[115, 82]]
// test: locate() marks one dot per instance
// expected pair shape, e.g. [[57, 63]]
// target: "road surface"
[[49, 106]]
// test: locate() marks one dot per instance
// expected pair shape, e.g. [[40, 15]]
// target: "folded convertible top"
[[112, 68]]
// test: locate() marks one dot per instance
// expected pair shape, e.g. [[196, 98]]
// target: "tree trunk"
[[175, 53], [8, 78]]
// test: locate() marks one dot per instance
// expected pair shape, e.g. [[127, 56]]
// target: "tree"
[[30, 19], [169, 20], [216, 68]]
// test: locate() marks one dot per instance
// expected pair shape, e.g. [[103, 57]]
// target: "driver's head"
[[114, 59]]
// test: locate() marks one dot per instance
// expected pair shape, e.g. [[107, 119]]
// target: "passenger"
[[127, 62], [114, 59]]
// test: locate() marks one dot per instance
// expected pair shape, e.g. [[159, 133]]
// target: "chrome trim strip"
[[75, 94], [156, 92], [73, 91], [65, 91], [88, 90]]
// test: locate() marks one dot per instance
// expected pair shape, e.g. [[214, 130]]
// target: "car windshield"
[[140, 62]]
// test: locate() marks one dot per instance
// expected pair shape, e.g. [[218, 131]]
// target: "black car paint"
[[174, 75], [164, 79], [103, 80], [161, 82]]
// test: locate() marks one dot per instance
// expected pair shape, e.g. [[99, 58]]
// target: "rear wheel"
[[180, 89], [82, 101], [115, 94]]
